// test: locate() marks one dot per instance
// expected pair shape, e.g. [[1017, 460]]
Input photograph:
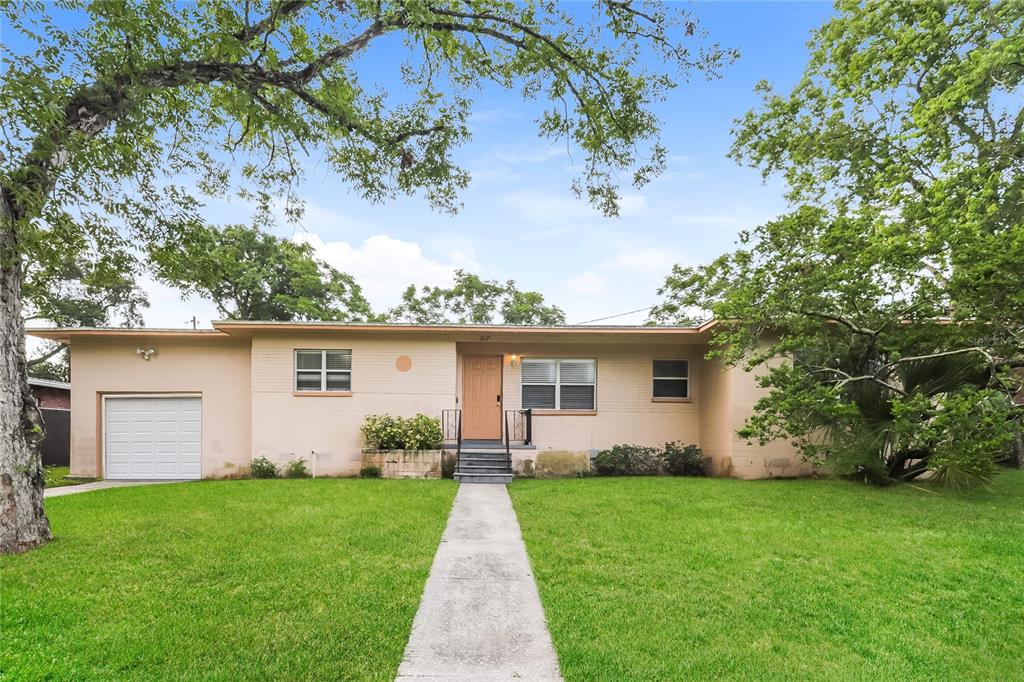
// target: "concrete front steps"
[[483, 466]]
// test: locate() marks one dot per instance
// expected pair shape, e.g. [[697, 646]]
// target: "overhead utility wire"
[[601, 319]]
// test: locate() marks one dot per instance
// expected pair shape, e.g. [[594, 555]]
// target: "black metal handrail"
[[521, 426], [508, 449], [450, 424], [451, 429]]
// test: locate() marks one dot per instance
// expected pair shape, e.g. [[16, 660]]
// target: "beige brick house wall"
[[286, 424], [250, 408], [215, 367]]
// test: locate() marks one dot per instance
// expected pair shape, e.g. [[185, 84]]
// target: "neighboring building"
[[51, 394], [54, 401], [152, 403]]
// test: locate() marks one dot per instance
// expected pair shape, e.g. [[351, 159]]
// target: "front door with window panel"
[[481, 397]]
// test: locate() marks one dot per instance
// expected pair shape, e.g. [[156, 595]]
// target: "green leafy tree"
[[894, 285], [251, 275], [471, 300], [105, 122], [73, 284]]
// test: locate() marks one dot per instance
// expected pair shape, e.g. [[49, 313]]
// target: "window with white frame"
[[671, 379], [559, 384], [323, 370]]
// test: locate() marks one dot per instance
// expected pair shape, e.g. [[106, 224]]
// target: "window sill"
[[564, 413], [671, 400], [323, 394]]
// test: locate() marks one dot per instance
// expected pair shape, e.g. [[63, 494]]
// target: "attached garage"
[[152, 437]]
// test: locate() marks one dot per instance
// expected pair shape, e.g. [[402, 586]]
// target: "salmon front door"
[[481, 397]]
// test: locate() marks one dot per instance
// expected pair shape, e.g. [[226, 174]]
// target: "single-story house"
[[162, 403], [54, 401]]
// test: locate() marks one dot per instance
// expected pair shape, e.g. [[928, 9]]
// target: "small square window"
[[671, 379], [323, 370]]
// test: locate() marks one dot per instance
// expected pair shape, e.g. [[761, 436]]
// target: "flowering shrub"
[[422, 433], [385, 432]]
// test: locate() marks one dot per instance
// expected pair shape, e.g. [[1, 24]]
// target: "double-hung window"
[[559, 384], [671, 379], [323, 370]]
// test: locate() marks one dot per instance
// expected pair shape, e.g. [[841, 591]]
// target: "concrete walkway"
[[96, 485], [481, 616]]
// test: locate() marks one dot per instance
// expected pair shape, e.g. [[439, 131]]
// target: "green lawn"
[[57, 477], [663, 578], [223, 580]]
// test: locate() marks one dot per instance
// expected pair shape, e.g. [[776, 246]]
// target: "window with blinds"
[[671, 379], [323, 370], [559, 384]]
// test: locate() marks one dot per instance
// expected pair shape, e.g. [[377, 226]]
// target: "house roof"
[[244, 328], [65, 334], [46, 383]]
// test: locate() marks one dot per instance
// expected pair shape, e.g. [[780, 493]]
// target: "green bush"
[[423, 433], [683, 460], [296, 468], [385, 432], [369, 472], [628, 460], [263, 468]]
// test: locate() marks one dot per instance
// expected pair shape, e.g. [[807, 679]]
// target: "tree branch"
[[46, 356], [268, 24], [856, 329]]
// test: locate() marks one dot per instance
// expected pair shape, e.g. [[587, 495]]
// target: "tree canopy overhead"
[[472, 300], [251, 275], [895, 282], [116, 128]]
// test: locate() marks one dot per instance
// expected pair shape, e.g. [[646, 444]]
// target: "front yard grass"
[[57, 477], [223, 580], [662, 578]]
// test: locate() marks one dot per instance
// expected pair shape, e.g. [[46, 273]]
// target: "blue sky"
[[519, 218]]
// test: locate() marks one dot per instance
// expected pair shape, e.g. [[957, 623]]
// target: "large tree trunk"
[[23, 523]]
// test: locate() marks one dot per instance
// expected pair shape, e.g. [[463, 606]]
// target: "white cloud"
[[512, 163], [169, 309], [730, 220], [541, 207], [385, 266], [588, 283], [318, 219], [632, 204], [642, 261], [526, 153], [494, 115]]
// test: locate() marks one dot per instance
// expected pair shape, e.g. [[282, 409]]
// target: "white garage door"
[[156, 437]]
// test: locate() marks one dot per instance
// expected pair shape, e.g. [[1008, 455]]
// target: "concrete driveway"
[[97, 485]]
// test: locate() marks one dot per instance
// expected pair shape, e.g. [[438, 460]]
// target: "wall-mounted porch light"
[[145, 353], [513, 359]]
